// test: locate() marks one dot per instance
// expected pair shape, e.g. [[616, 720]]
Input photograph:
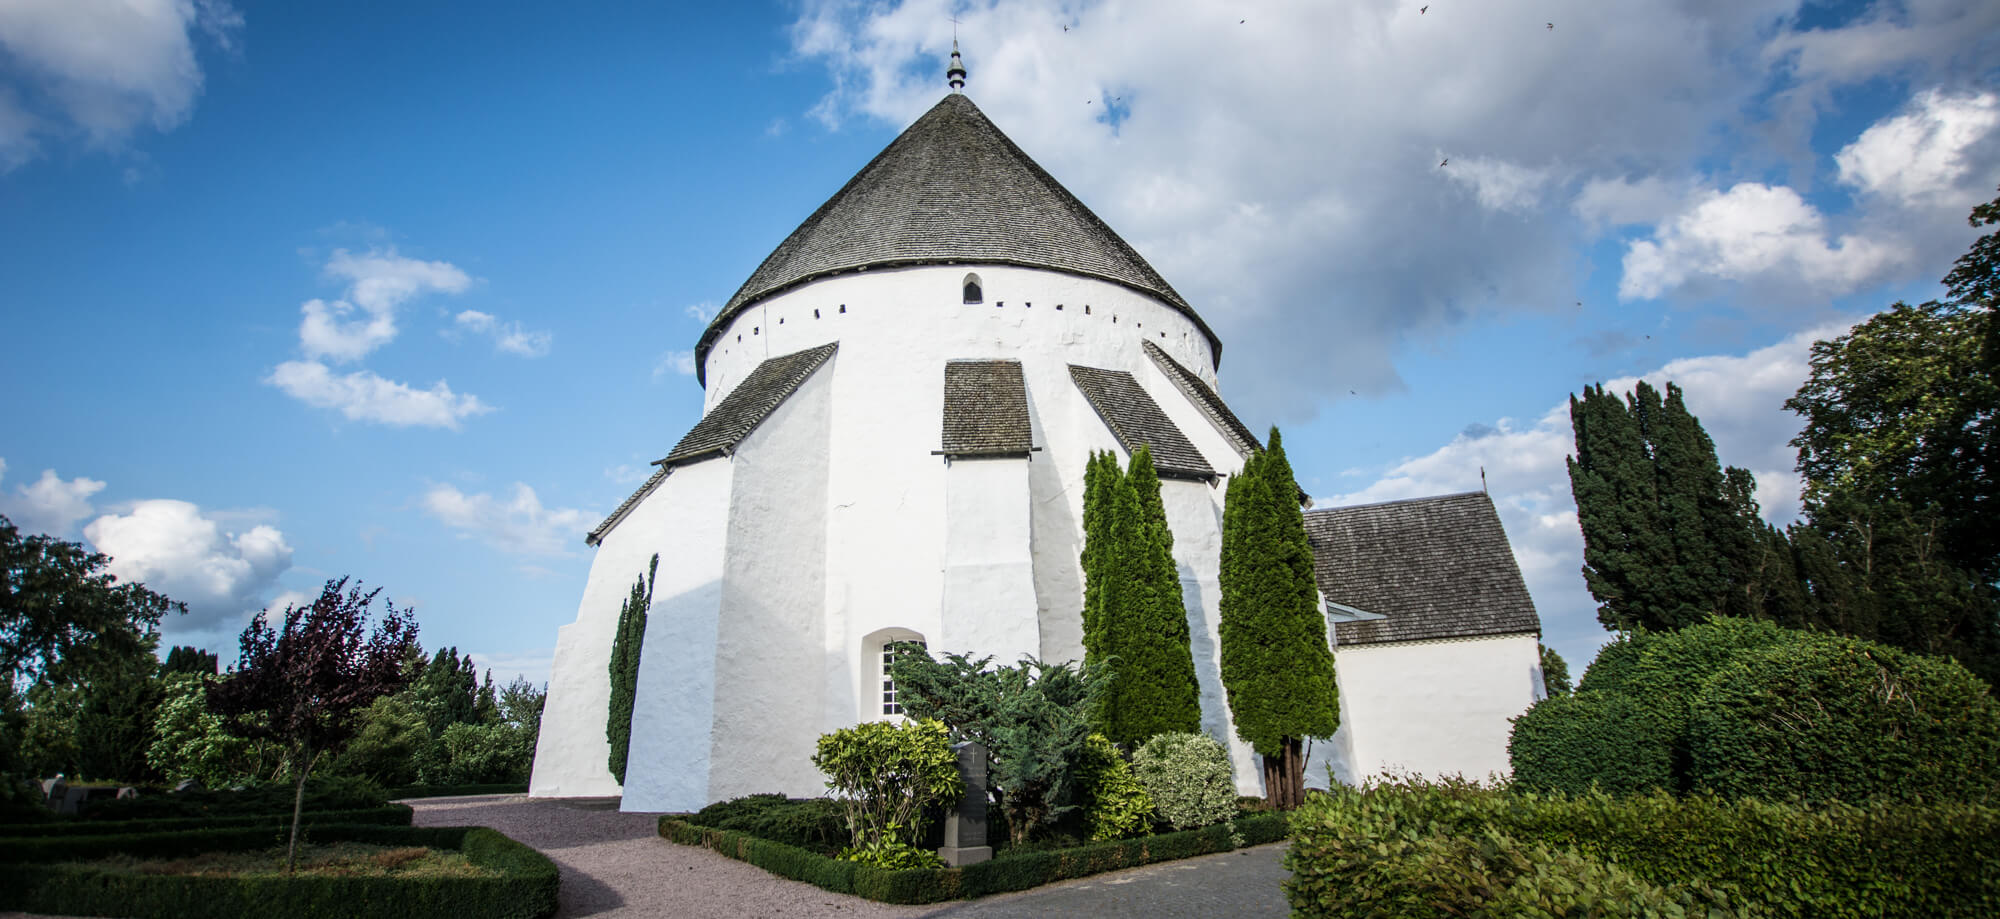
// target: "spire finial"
[[956, 75]]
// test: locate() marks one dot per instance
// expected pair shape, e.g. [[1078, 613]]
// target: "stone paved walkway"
[[615, 865]]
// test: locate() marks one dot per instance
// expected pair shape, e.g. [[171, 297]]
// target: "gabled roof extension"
[[1435, 567], [952, 189], [1134, 418], [985, 409], [718, 432], [1205, 398]]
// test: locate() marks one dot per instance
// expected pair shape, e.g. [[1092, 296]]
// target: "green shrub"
[[1849, 720], [1189, 779], [1115, 804], [816, 824], [526, 888], [386, 815], [451, 791], [1743, 856], [1573, 743], [321, 794], [889, 775]]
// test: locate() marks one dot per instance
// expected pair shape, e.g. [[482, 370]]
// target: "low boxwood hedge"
[[33, 880], [386, 815], [1699, 853], [1014, 871], [452, 791]]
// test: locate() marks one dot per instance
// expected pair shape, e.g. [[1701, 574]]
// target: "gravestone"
[[965, 827]]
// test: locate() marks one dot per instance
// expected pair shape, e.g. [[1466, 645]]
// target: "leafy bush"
[[1843, 719], [525, 888], [891, 855], [1747, 857], [889, 775], [451, 791], [1116, 804], [393, 739], [1601, 740], [1189, 779], [321, 794], [817, 824], [387, 815]]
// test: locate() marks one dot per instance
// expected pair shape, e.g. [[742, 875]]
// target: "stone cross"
[[965, 827]]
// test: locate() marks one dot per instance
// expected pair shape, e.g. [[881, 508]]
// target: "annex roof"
[[1134, 418], [1434, 567], [769, 384], [950, 189], [985, 409]]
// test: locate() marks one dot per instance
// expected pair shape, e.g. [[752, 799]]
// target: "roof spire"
[[956, 75]]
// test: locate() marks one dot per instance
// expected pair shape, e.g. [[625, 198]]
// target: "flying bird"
[[1065, 28], [1422, 10], [1446, 160], [1551, 25]]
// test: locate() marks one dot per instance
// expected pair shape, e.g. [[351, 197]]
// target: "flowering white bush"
[[1188, 778]]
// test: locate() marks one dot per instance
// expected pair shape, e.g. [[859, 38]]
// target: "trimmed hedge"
[[815, 824], [1432, 849], [386, 815], [322, 794], [452, 791], [526, 889], [1576, 742], [1018, 871]]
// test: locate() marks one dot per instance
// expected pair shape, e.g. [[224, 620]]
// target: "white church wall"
[[681, 520], [988, 606], [1194, 514], [769, 648], [1431, 708]]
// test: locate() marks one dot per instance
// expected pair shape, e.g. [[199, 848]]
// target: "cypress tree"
[[1099, 478], [1153, 688], [1276, 665], [625, 667]]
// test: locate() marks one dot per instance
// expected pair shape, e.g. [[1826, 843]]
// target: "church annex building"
[[898, 406]]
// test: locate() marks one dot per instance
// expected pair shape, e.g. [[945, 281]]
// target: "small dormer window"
[[973, 293]]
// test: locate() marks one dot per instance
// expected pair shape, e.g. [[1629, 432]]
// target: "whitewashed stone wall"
[[1429, 708]]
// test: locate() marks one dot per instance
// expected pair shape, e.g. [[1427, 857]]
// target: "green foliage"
[[446, 692], [888, 775], [1843, 719], [625, 667], [393, 745], [453, 791], [815, 824], [1135, 622], [485, 754], [1276, 664], [189, 742], [91, 716], [1187, 775], [1574, 743], [1555, 672], [1975, 277], [891, 854], [190, 659], [1115, 803], [1457, 848], [525, 886], [1006, 872], [320, 794], [385, 815], [58, 604], [1032, 718]]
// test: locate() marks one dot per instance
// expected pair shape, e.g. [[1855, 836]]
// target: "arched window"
[[973, 292], [883, 648]]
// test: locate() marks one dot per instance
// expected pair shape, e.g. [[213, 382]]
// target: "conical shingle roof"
[[951, 189]]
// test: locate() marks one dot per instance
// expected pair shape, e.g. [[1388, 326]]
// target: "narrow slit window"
[[974, 292]]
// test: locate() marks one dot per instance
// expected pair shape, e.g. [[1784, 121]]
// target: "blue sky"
[[406, 291]]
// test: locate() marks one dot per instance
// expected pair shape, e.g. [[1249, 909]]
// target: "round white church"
[[898, 407]]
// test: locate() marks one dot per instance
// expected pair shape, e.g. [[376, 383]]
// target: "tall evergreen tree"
[[1276, 664], [625, 667], [1153, 688], [1103, 557]]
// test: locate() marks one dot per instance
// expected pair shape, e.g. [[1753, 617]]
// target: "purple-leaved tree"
[[304, 685]]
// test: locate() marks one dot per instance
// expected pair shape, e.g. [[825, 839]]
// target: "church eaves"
[[1208, 400], [1434, 567], [952, 189], [1135, 419]]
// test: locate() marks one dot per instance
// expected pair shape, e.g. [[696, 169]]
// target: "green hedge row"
[[1008, 873], [1653, 852], [386, 815], [452, 791], [526, 889]]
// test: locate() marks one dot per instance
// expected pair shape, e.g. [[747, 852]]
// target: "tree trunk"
[[298, 804], [1284, 775]]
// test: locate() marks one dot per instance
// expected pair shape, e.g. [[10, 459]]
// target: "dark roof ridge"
[[1351, 507], [1012, 213]]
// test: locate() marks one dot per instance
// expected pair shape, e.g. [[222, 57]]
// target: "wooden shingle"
[[1436, 567], [1134, 418], [985, 409]]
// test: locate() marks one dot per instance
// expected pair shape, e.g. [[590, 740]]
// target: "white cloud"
[[680, 362], [378, 283], [702, 312], [364, 396], [103, 68], [1739, 399], [507, 336], [1497, 184], [533, 665], [49, 504], [1622, 202], [173, 548], [517, 524], [628, 473], [1921, 156], [1754, 233]]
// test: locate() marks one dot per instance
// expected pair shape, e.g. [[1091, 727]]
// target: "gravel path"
[[616, 865]]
